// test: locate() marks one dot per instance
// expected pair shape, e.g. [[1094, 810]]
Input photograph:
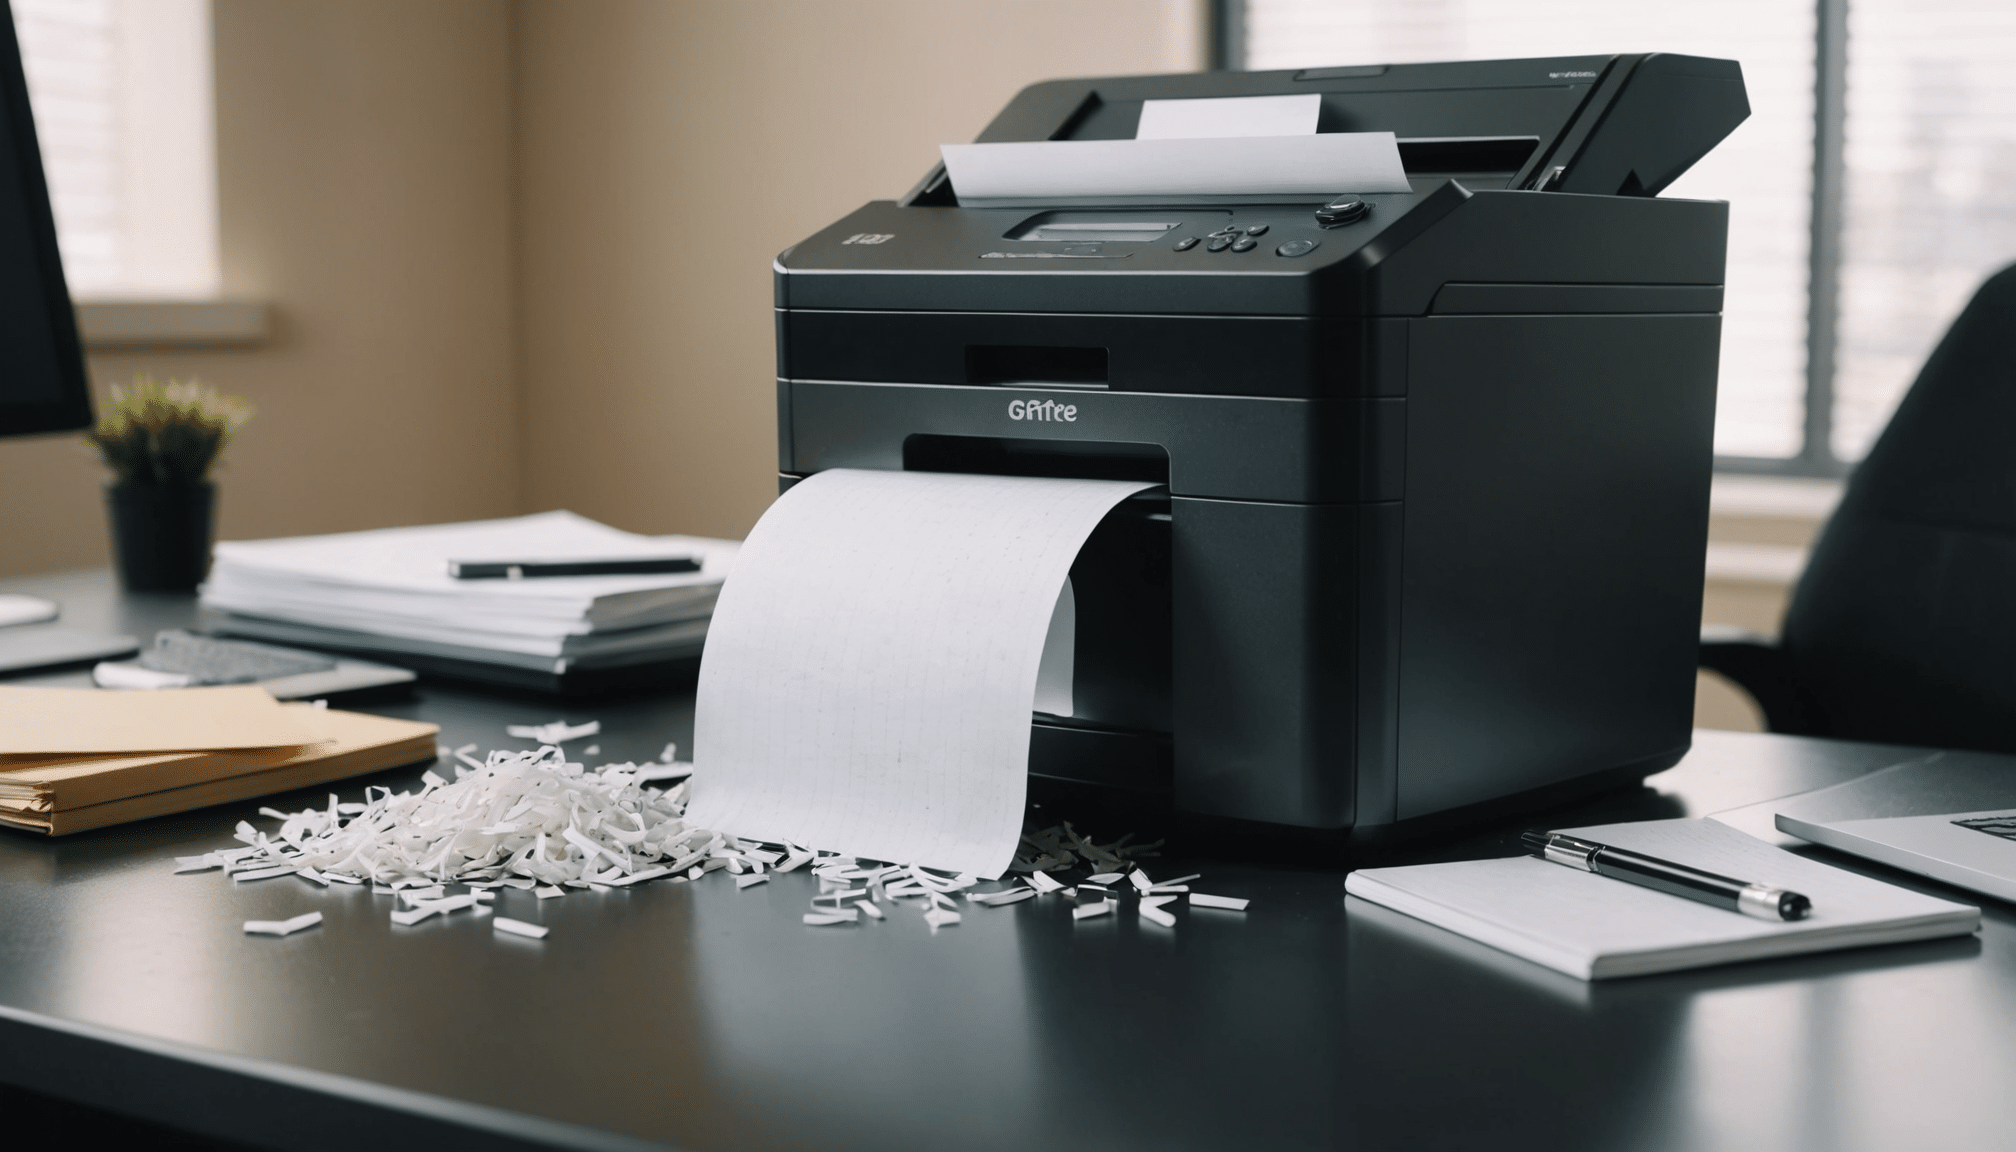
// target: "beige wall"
[[468, 211], [364, 152], [669, 150]]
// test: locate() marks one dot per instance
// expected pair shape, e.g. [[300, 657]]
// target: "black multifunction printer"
[[1435, 463]]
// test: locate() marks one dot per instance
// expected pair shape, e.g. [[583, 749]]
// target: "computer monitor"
[[42, 383]]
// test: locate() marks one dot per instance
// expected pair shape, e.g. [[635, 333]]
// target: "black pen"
[[528, 569], [1759, 900]]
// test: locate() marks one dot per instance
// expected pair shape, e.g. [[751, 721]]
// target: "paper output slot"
[[1010, 456], [1123, 615], [871, 665], [1111, 759], [1467, 153], [1035, 364]]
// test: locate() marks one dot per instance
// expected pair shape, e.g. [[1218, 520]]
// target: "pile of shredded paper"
[[539, 822], [1060, 846], [850, 889]]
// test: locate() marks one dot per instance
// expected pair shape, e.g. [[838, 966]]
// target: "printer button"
[[1296, 248], [1244, 244], [1341, 211], [1218, 244], [1256, 229], [1186, 243]]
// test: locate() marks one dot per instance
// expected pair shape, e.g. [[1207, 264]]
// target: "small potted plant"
[[160, 442]]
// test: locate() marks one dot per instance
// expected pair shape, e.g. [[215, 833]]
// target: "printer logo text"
[[1041, 410], [869, 238]]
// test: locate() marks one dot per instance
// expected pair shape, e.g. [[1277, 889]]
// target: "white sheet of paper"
[[1229, 116], [1051, 172], [16, 609], [868, 678], [1058, 668]]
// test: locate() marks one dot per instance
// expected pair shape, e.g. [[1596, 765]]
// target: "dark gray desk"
[[702, 1017]]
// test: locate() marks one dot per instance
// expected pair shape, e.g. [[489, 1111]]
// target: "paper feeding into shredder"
[[1429, 467]]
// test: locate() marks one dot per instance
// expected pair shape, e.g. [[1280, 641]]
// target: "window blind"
[[123, 104], [1929, 196]]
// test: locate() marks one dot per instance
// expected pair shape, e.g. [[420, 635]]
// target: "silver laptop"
[[1950, 816], [1974, 850]]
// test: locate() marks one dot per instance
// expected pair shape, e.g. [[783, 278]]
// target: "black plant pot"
[[161, 534]]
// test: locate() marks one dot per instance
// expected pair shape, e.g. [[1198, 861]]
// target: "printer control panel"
[[1281, 231], [1244, 238], [1245, 259], [1338, 213], [1106, 234]]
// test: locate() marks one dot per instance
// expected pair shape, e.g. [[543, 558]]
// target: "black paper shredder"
[[1434, 464]]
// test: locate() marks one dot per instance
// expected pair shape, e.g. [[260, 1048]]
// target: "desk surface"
[[698, 1016]]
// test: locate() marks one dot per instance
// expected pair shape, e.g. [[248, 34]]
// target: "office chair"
[[1903, 628]]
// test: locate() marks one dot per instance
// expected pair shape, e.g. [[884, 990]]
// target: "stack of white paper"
[[389, 590]]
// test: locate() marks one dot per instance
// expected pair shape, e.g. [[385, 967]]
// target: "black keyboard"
[[208, 660], [2003, 826]]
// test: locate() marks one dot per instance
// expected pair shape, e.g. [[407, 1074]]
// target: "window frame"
[[158, 142], [1227, 52]]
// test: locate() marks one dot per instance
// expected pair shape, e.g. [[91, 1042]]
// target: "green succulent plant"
[[166, 434]]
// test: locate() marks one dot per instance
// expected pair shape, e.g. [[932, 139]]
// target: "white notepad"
[[1593, 927]]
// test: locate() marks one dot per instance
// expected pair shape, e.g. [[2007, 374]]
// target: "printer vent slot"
[[1010, 456], [1035, 364]]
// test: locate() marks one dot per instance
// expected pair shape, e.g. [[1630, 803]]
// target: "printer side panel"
[[1555, 523], [1264, 659]]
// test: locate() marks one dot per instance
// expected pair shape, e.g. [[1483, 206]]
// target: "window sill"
[[1775, 565], [1774, 497], [1747, 512], [124, 324], [1760, 528]]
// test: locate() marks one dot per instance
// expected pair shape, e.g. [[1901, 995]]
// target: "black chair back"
[[1903, 628]]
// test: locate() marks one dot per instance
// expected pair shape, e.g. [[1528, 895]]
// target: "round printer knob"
[[1341, 211]]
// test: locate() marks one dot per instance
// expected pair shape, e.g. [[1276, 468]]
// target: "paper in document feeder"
[[1220, 117], [1255, 169]]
